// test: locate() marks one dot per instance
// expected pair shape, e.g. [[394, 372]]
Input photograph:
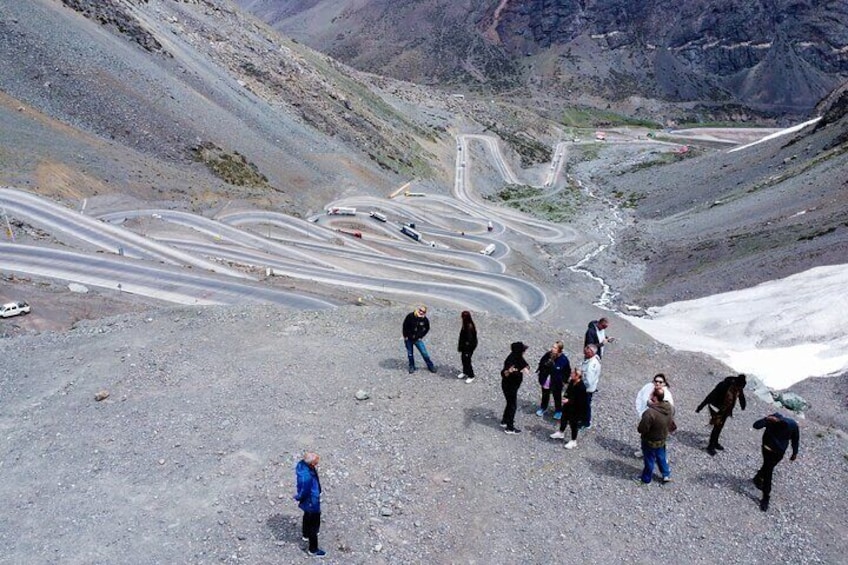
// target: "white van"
[[14, 309], [488, 250]]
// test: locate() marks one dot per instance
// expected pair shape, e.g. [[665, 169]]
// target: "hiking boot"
[[512, 431], [571, 444], [557, 415], [764, 504], [557, 435], [469, 380], [540, 412]]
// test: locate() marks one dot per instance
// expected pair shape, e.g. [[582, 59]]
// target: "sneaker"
[[503, 424], [587, 426], [764, 503], [304, 538], [540, 412], [461, 376], [411, 370], [557, 435], [638, 480], [469, 380], [431, 368], [318, 553], [557, 415], [512, 431], [637, 454], [571, 444], [711, 450], [666, 480], [719, 446]]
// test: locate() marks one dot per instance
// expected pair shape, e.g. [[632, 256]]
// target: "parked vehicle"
[[341, 211], [408, 231], [488, 250], [14, 309]]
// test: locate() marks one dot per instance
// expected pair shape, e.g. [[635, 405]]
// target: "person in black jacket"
[[515, 368], [779, 432], [596, 334], [574, 406], [415, 327], [467, 345], [721, 401]]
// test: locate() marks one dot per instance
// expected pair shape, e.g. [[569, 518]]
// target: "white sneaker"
[[557, 435], [637, 454], [469, 380], [571, 444], [461, 376]]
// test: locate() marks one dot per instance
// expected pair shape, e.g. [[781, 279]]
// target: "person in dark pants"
[[467, 345], [415, 327], [555, 365], [779, 432], [515, 368], [721, 401], [309, 497], [574, 406]]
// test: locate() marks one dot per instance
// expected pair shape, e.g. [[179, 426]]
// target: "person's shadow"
[[285, 528]]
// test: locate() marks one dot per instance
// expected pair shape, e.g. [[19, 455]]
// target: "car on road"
[[14, 309]]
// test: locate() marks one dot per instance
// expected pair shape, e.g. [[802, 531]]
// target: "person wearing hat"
[[515, 368], [309, 498], [720, 402], [415, 327]]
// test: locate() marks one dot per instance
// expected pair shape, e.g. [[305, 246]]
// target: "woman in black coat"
[[573, 408], [466, 347]]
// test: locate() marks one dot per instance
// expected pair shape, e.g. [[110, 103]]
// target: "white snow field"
[[780, 331]]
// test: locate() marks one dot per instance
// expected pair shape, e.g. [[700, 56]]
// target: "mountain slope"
[[198, 82], [772, 57]]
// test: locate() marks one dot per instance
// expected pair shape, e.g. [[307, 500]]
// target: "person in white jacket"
[[591, 369], [659, 382]]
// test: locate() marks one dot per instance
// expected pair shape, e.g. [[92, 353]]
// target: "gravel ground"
[[190, 458]]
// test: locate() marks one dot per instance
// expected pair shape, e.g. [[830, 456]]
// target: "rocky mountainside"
[[194, 98], [704, 57]]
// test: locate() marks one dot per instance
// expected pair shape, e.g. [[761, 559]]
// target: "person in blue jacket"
[[779, 431], [309, 497]]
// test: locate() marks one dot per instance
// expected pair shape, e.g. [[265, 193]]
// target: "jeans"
[[421, 349], [651, 454], [311, 526], [466, 364], [764, 475], [588, 421], [510, 386]]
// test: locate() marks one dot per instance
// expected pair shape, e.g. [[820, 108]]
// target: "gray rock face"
[[772, 56]]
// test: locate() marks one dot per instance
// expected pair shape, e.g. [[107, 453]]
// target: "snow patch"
[[780, 331]]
